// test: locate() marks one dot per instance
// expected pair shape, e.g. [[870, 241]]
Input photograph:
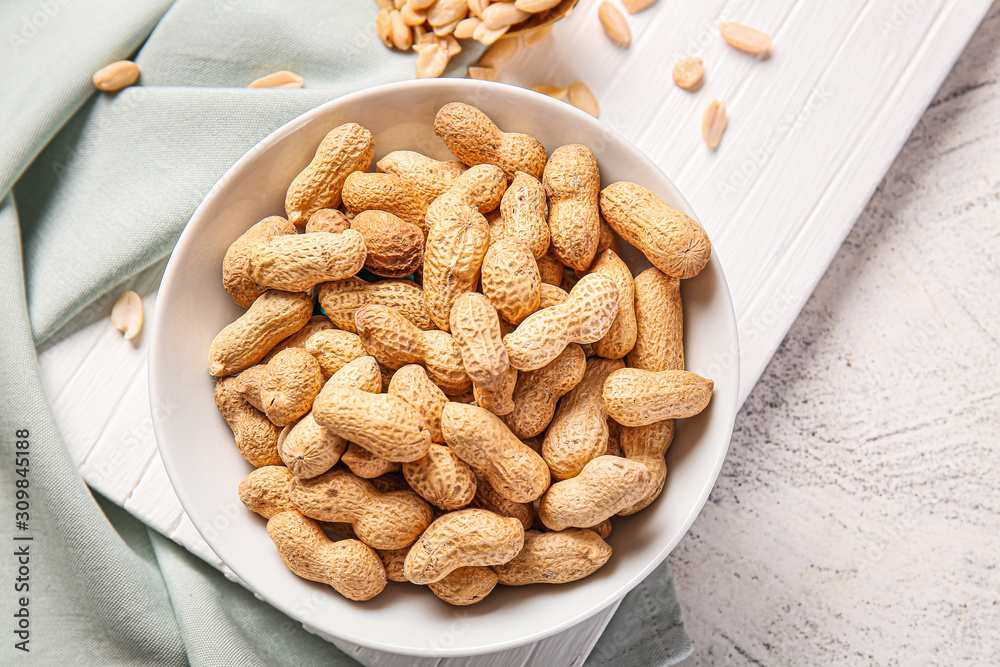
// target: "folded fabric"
[[96, 187]]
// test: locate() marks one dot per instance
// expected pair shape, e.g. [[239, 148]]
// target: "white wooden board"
[[812, 131]]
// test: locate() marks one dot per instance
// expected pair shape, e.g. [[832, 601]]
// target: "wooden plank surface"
[[812, 131]]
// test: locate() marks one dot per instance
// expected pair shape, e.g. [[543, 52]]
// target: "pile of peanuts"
[[430, 27], [482, 423]]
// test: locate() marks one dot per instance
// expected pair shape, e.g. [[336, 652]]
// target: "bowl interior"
[[205, 468]]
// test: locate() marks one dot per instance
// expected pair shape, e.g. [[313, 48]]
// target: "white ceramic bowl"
[[205, 468]]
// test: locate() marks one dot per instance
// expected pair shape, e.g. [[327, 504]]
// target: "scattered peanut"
[[713, 124], [502, 15], [383, 26], [746, 39], [465, 29], [445, 12], [615, 24], [282, 79], [558, 92], [536, 6], [499, 53], [413, 16], [487, 36], [688, 73], [636, 6], [582, 97], [432, 61], [402, 38], [116, 76], [483, 73], [126, 314]]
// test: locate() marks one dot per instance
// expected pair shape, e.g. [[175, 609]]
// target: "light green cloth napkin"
[[96, 187]]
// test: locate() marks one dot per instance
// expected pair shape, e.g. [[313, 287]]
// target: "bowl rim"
[[187, 237]]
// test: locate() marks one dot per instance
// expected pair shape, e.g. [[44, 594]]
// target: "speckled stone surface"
[[857, 517]]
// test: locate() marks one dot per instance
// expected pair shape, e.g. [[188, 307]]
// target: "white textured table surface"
[[812, 131]]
